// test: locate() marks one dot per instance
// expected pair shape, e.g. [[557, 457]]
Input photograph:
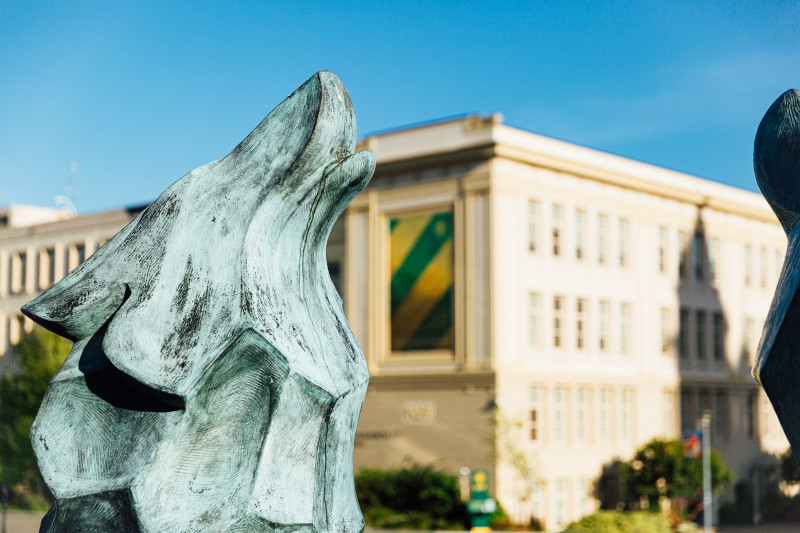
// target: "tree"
[[660, 469], [38, 356]]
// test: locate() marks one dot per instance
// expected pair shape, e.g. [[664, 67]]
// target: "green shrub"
[[414, 497], [621, 522]]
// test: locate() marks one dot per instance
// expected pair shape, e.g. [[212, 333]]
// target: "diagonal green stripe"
[[423, 251], [436, 326]]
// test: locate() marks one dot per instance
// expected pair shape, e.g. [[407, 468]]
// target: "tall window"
[[421, 287], [533, 225], [625, 409], [762, 266], [559, 415], [682, 253], [602, 326], [624, 328], [748, 346], [580, 234], [665, 330], [584, 497], [602, 238], [580, 323], [560, 503], [748, 264], [662, 249], [604, 416], [687, 411], [19, 272], [537, 500], [668, 412], [713, 258], [534, 420], [558, 220], [581, 416], [720, 418], [697, 255], [683, 334], [558, 320], [719, 336], [534, 311], [51, 266], [752, 402], [623, 242], [700, 332]]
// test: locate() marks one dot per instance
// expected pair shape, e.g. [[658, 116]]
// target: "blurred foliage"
[[621, 522], [37, 356], [411, 497], [660, 469], [790, 471]]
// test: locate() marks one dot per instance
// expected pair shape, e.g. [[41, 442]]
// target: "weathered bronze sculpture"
[[776, 159], [214, 383]]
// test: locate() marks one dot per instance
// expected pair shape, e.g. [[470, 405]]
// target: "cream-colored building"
[[525, 305]]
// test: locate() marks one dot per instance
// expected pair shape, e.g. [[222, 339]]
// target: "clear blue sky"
[[110, 102]]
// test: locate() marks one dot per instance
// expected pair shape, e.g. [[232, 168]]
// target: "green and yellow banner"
[[422, 282]]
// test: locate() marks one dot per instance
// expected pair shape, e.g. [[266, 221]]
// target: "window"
[[602, 238], [662, 249], [537, 500], [624, 328], [763, 266], [752, 402], [558, 216], [580, 234], [748, 264], [625, 409], [533, 319], [748, 346], [558, 320], [81, 251], [580, 323], [668, 413], [560, 503], [697, 255], [581, 416], [533, 225], [421, 288], [682, 252], [602, 330], [700, 335], [623, 242], [559, 415], [19, 272], [664, 330], [683, 335], [713, 258], [603, 416], [720, 418], [584, 497], [50, 255], [534, 419], [719, 336], [705, 403], [687, 411]]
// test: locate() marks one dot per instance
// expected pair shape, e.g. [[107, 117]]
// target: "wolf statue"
[[214, 383], [776, 160]]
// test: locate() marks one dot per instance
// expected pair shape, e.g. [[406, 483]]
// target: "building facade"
[[525, 305]]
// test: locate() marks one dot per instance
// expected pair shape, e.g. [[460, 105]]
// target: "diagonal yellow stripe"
[[426, 292], [404, 237]]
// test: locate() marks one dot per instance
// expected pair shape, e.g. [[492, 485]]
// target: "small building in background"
[[525, 305]]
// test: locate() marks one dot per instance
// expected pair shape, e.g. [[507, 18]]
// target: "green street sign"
[[479, 484]]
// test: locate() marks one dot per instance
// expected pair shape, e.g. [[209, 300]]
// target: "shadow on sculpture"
[[214, 383]]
